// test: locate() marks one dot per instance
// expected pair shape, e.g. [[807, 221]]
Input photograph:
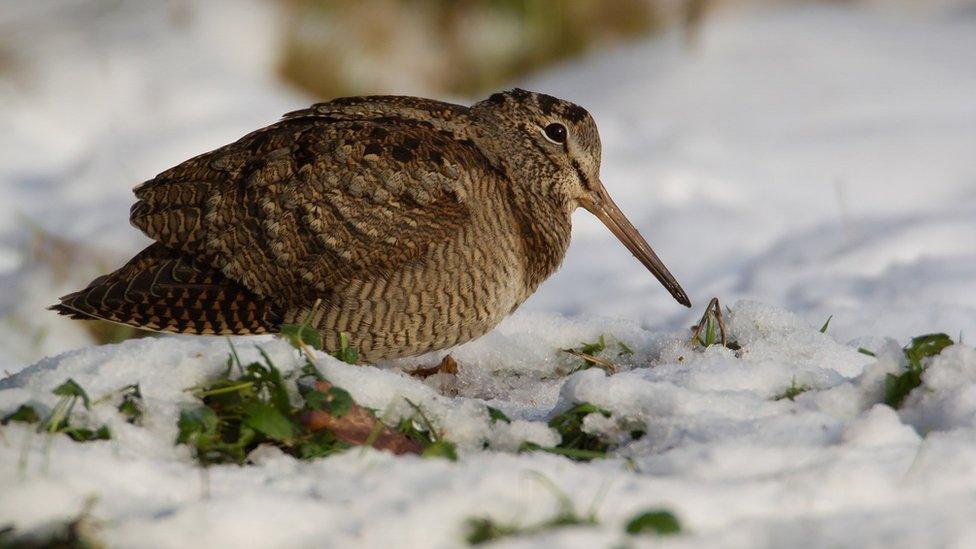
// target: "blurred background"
[[817, 155]]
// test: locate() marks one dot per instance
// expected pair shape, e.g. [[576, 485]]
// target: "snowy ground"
[[819, 160]]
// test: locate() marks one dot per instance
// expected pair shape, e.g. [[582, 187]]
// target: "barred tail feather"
[[165, 291]]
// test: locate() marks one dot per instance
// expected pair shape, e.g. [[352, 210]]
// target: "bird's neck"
[[544, 228], [542, 219]]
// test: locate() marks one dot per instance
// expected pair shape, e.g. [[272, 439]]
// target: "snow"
[[737, 466], [802, 162]]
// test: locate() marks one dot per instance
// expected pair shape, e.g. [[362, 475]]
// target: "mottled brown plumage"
[[419, 224]]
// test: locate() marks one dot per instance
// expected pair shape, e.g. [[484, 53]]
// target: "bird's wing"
[[293, 209]]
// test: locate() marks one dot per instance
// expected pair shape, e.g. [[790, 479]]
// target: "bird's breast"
[[459, 290]]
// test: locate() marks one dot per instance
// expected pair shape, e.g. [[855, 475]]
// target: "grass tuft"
[[301, 336], [59, 419], [70, 388], [589, 352], [23, 414], [575, 443], [337, 401], [710, 330], [238, 413], [624, 349], [921, 348], [823, 329], [496, 415], [794, 390], [132, 406], [346, 353], [419, 428], [441, 449], [483, 529], [658, 521]]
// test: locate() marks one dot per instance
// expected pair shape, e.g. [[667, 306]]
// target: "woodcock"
[[418, 224]]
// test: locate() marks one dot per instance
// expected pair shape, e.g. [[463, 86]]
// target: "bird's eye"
[[555, 132]]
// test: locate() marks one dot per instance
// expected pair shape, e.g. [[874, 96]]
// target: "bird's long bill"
[[602, 206]]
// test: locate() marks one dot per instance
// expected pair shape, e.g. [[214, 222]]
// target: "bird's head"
[[553, 147]]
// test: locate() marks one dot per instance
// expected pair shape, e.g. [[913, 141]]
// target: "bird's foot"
[[447, 365]]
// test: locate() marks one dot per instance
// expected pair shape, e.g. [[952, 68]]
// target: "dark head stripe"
[[547, 103], [575, 113], [582, 176]]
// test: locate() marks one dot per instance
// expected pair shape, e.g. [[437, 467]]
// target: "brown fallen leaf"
[[358, 426], [447, 365]]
